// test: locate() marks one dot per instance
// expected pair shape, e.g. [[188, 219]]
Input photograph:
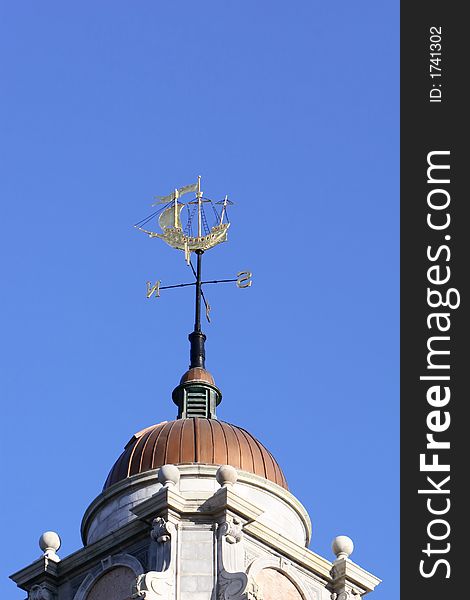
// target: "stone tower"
[[195, 508]]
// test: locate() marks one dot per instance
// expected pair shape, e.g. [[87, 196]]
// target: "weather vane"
[[188, 230]]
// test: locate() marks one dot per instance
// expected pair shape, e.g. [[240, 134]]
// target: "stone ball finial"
[[226, 475], [49, 542], [342, 546], [169, 475]]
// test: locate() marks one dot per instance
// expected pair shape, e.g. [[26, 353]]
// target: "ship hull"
[[175, 238]]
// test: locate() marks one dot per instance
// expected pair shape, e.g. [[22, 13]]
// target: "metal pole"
[[197, 322], [197, 338]]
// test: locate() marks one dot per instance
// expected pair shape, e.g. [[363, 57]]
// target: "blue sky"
[[292, 109]]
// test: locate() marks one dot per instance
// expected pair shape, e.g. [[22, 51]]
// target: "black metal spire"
[[196, 395], [197, 338]]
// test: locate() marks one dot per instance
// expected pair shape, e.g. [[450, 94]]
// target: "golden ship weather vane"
[[185, 226]]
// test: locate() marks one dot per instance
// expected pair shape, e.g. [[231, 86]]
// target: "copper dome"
[[195, 440], [197, 374]]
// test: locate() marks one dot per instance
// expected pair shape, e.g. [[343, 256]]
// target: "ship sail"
[[170, 217], [192, 187]]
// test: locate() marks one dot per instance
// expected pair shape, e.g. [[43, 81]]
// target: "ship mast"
[[199, 206], [176, 206], [224, 206]]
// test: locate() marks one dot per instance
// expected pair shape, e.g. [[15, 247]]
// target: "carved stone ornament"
[[153, 586], [237, 586], [162, 553], [340, 596], [232, 530], [253, 591], [344, 595], [39, 592], [230, 586], [232, 582], [162, 530]]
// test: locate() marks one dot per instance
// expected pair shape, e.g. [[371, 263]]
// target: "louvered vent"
[[197, 397], [197, 403]]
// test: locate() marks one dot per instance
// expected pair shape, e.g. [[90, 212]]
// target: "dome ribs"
[[269, 472], [205, 439], [113, 474], [195, 440], [136, 458], [150, 445], [220, 443], [256, 453], [233, 448], [270, 466], [188, 450], [279, 478], [246, 456], [197, 445], [173, 443], [159, 450], [123, 468]]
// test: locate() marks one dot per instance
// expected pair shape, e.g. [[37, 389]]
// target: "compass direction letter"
[[153, 289], [244, 279]]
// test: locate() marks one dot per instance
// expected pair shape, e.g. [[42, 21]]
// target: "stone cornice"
[[226, 504], [303, 556], [80, 560], [345, 571], [195, 470], [166, 501], [40, 570]]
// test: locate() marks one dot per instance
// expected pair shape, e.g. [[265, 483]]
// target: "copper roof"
[[196, 440], [197, 374]]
